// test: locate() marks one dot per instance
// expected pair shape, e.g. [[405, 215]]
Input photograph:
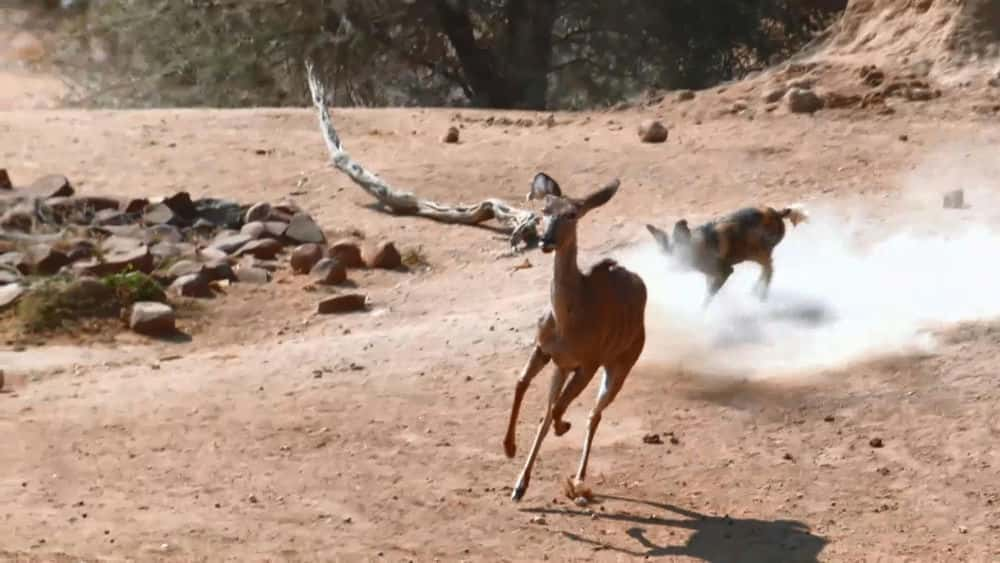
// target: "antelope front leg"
[[535, 364], [558, 379], [764, 282]]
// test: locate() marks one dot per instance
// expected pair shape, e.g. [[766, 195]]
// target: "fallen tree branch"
[[521, 224]]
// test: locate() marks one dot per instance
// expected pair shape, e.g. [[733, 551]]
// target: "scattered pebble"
[[876, 443]]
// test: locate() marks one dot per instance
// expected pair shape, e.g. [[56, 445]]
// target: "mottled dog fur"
[[714, 248]]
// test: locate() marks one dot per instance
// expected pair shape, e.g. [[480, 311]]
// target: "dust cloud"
[[846, 287]]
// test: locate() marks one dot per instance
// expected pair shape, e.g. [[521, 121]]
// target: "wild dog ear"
[[543, 185], [600, 197], [660, 236], [682, 233]]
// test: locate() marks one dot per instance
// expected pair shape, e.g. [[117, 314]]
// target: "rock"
[[450, 136], [265, 249], [218, 270], [876, 443], [259, 212], [183, 268], [230, 243], [652, 439], [5, 183], [685, 96], [275, 229], [81, 249], [127, 231], [53, 185], [9, 275], [135, 206], [118, 257], [385, 256], [182, 206], [305, 256], [220, 212], [774, 95], [255, 229], [158, 214], [210, 254], [10, 293], [833, 100], [348, 253], [191, 285], [106, 217], [152, 318], [652, 131], [540, 520], [16, 261], [302, 229], [116, 243], [162, 233], [205, 228], [45, 260], [17, 219], [803, 101], [164, 250], [252, 274], [329, 271], [338, 304], [955, 199]]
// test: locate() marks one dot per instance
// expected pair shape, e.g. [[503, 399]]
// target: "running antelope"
[[714, 248], [595, 320]]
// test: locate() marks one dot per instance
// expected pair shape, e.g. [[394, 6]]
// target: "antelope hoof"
[[518, 492], [576, 491], [509, 447], [561, 427]]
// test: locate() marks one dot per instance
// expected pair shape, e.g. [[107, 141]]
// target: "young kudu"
[[595, 320]]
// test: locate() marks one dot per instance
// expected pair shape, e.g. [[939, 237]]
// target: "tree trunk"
[[511, 76], [529, 51]]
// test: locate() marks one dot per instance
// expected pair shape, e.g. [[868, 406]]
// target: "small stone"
[[652, 439], [152, 318], [258, 213], [652, 131], [342, 304], [305, 256], [110, 217], [876, 442], [348, 253], [265, 249], [774, 95], [963, 530], [828, 418], [451, 136], [954, 199], [347, 520], [685, 96], [209, 254], [904, 137], [274, 229], [385, 256], [803, 101], [17, 219], [329, 271], [158, 233], [5, 183], [191, 285], [883, 471], [540, 520], [302, 229], [787, 457], [52, 185]]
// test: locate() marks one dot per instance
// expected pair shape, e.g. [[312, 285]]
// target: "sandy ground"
[[278, 435]]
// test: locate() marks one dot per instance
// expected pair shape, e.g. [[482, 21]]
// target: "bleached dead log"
[[521, 224]]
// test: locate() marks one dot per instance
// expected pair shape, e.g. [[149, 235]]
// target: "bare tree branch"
[[522, 224]]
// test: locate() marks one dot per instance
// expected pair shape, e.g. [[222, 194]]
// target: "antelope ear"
[[543, 185], [601, 196]]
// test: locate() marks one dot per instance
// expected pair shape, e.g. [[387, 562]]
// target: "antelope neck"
[[566, 283]]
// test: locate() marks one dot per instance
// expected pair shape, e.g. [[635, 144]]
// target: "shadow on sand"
[[715, 539]]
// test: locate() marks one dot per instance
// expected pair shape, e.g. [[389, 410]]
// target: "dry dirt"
[[278, 435]]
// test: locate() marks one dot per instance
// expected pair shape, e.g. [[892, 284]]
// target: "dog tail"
[[661, 237], [795, 214]]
